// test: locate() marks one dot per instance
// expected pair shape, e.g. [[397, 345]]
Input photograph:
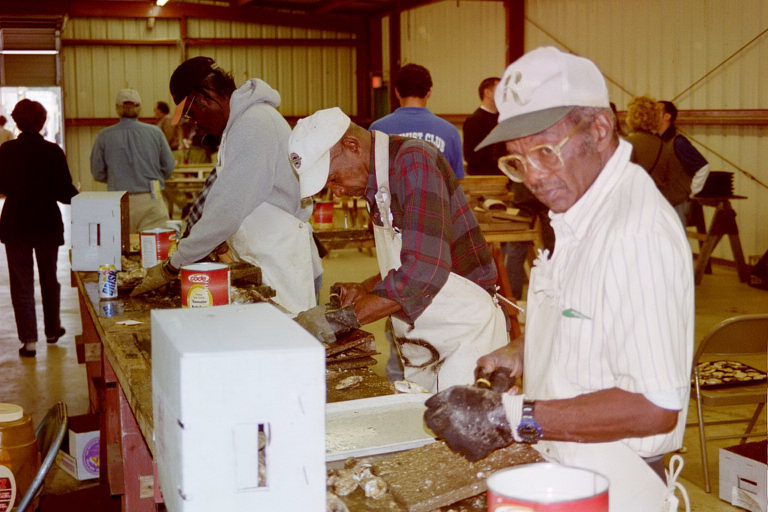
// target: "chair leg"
[[702, 438], [752, 422]]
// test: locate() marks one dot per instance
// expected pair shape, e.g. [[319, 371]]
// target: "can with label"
[[204, 284], [156, 245], [107, 282]]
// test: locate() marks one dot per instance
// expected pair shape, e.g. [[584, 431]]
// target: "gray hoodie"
[[252, 168]]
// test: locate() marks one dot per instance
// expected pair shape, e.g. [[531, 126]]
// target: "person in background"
[[164, 117], [608, 346], [477, 126], [252, 208], [34, 176], [413, 87], [135, 157], [436, 275], [694, 162], [5, 134], [654, 156], [484, 162]]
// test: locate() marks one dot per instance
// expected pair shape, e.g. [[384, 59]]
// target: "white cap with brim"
[[128, 96], [540, 88], [310, 146]]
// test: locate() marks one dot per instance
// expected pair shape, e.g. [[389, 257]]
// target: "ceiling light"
[[161, 3]]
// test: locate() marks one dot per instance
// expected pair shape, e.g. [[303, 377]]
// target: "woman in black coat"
[[34, 175]]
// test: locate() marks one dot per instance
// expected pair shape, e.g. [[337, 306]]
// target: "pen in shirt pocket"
[[574, 313]]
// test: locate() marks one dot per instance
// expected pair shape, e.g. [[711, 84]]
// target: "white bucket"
[[547, 487]]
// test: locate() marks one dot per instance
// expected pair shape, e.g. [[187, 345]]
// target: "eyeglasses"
[[185, 115], [544, 157]]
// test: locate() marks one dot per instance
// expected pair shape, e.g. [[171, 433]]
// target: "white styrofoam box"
[[82, 459], [99, 229], [744, 476], [370, 426], [221, 376]]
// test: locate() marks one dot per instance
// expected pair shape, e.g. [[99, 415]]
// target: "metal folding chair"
[[50, 434]]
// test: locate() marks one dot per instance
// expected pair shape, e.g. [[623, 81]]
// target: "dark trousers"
[[21, 270]]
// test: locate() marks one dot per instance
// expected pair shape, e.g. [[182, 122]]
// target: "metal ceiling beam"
[[144, 9]]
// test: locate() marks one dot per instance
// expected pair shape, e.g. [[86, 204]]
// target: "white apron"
[[634, 485], [281, 245], [462, 323]]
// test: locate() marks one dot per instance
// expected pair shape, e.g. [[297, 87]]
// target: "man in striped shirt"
[[437, 277], [607, 352]]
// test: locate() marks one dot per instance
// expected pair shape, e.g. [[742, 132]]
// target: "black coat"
[[34, 175]]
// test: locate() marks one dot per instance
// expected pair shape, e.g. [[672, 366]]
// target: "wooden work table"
[[118, 361]]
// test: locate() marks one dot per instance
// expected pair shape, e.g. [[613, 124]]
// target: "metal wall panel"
[[461, 43], [661, 48], [308, 78]]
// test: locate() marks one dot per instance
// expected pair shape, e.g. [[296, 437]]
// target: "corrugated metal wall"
[[460, 43], [308, 78], [653, 47]]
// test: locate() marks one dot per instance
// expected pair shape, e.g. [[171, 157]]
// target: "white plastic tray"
[[371, 426]]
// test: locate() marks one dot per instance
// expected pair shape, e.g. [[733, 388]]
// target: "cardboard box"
[[238, 395], [79, 454], [100, 229], [743, 475]]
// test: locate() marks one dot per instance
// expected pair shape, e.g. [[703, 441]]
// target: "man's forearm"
[[602, 416]]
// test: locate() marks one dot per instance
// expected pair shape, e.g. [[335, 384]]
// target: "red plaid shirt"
[[439, 231]]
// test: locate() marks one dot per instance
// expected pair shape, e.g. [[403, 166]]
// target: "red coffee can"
[[204, 284], [156, 245], [547, 487]]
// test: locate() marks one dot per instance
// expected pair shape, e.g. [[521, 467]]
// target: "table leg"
[[723, 223]]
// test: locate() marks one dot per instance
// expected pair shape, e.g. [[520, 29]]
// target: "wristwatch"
[[528, 430]]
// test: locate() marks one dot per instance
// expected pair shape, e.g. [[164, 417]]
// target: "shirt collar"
[[579, 217]]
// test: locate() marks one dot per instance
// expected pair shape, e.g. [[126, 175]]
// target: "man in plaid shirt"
[[437, 277]]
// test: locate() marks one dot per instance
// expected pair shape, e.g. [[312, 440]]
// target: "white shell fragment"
[[406, 386], [349, 382], [342, 482], [374, 487], [334, 504]]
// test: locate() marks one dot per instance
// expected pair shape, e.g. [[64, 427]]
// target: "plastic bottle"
[[19, 455]]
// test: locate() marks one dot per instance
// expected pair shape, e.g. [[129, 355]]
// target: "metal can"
[[107, 282]]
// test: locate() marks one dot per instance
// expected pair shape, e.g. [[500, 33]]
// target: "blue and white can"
[[107, 282]]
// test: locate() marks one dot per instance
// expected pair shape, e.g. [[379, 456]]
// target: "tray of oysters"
[[715, 374]]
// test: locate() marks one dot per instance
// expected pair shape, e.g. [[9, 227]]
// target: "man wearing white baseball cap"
[[437, 278], [608, 344], [135, 157]]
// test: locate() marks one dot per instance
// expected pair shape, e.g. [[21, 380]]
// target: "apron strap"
[[381, 162]]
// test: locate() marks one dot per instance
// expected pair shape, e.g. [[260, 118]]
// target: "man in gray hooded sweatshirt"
[[252, 202]]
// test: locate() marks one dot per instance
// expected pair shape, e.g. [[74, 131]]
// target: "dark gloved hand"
[[326, 324], [334, 300], [470, 419], [156, 277], [498, 380]]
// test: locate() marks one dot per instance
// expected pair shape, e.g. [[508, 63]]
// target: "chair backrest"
[[745, 334], [50, 434]]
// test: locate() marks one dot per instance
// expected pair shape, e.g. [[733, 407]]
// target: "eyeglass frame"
[[525, 159], [185, 115]]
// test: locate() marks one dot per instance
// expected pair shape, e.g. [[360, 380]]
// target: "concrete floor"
[[54, 374]]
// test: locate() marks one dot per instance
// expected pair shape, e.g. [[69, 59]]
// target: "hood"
[[252, 91]]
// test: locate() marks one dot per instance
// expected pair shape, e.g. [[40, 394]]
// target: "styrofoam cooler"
[[100, 225], [222, 377]]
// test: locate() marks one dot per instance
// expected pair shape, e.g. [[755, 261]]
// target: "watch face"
[[529, 432]]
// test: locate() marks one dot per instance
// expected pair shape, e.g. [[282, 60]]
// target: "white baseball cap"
[[310, 144], [540, 88], [128, 96]]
